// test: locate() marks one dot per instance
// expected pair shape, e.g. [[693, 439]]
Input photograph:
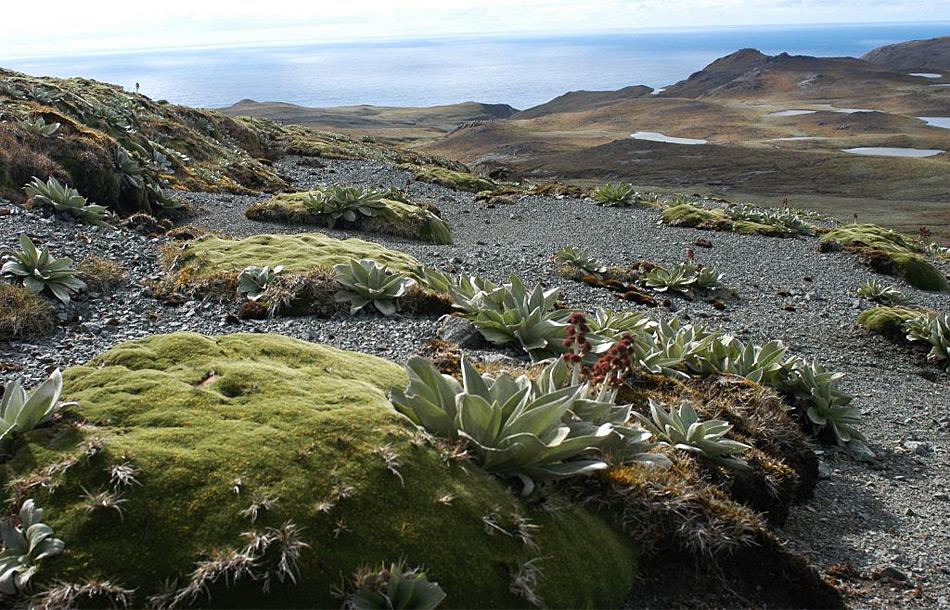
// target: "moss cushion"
[[210, 424], [397, 218], [297, 253], [890, 252]]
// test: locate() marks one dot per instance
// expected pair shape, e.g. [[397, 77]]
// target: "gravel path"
[[880, 523]]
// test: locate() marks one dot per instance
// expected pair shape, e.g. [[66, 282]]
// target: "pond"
[[654, 136], [936, 121], [792, 112], [886, 151]]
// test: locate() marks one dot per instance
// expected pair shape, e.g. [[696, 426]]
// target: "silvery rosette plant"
[[681, 428], [348, 203], [680, 278], [394, 588], [253, 281], [518, 428], [39, 127], [873, 290], [21, 411], [514, 314], [826, 405], [614, 195], [24, 546], [934, 329], [576, 257], [63, 198], [366, 282], [40, 272]]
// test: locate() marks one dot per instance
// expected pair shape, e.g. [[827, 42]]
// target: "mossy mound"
[[397, 218], [209, 267], [690, 215], [889, 252], [211, 425], [459, 180], [213, 256], [888, 321]]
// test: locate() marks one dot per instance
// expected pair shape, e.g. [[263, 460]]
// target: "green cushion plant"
[[214, 425]]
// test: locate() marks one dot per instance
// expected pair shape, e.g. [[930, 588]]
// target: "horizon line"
[[384, 39]]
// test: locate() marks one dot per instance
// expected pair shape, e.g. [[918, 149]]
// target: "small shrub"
[[24, 314]]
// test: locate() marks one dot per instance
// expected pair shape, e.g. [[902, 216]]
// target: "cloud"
[[105, 25]]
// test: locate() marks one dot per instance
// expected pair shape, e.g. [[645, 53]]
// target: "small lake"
[[884, 151], [926, 74], [654, 136], [792, 112], [936, 121]]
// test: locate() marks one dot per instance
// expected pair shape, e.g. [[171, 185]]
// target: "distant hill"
[[578, 101], [383, 121], [920, 55], [749, 74]]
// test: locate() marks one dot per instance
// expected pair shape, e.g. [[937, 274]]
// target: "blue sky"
[[71, 26]]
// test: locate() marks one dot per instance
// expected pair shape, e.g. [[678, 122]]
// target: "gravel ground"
[[878, 523]]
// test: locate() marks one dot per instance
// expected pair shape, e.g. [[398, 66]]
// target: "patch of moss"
[[24, 314], [690, 215], [210, 424], [453, 179], [303, 253], [398, 218], [888, 321], [889, 252]]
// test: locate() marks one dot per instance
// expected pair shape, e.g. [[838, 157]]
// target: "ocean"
[[521, 71]]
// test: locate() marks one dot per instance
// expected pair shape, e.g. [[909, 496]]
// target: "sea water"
[[521, 71]]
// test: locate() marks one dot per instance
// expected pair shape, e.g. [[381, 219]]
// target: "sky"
[[98, 26]]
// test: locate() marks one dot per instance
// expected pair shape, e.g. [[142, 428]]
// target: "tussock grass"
[[24, 314]]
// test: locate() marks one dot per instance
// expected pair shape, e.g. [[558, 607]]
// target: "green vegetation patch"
[[889, 321], [454, 179], [120, 149], [303, 253], [212, 427], [889, 252], [690, 215], [393, 217], [210, 267]]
